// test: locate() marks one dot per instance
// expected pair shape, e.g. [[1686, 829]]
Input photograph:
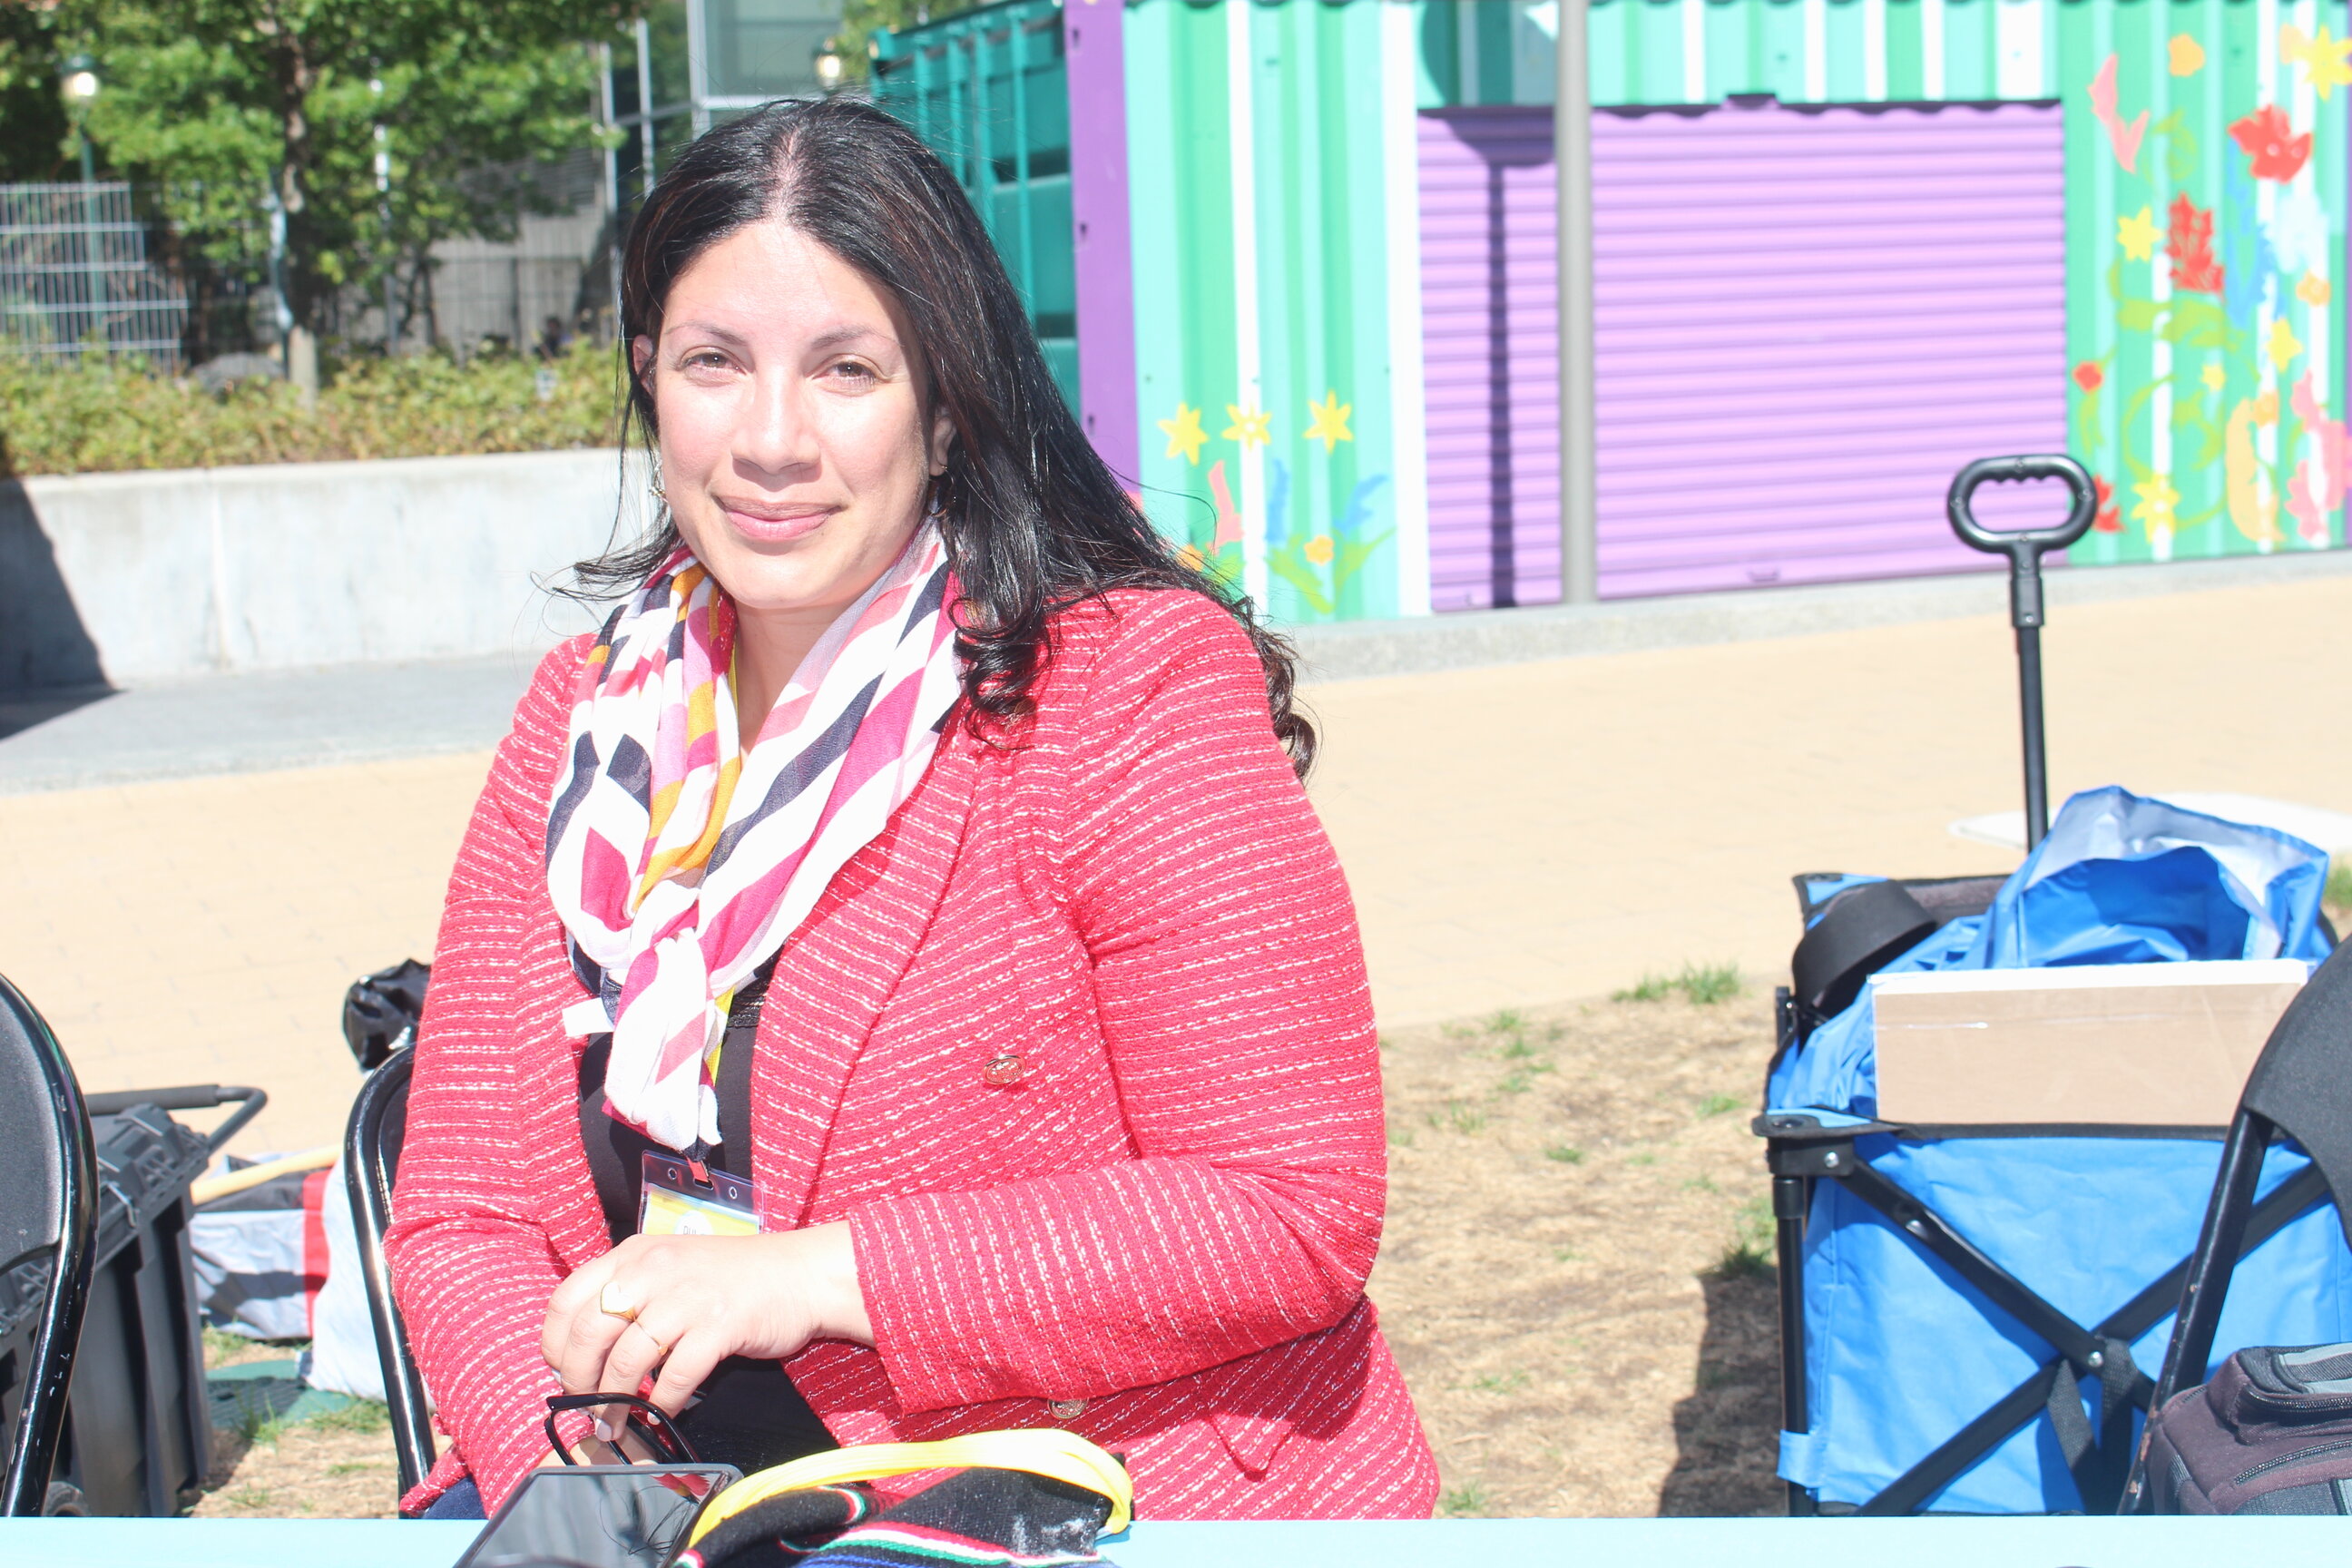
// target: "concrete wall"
[[146, 577]]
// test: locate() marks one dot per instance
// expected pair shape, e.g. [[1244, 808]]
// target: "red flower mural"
[[2110, 518], [2268, 139], [2089, 376], [2194, 271]]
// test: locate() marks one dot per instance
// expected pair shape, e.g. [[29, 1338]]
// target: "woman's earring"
[[653, 485]]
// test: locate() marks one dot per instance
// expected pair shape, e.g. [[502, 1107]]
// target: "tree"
[[36, 138], [234, 115]]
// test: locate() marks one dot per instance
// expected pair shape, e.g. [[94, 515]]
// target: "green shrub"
[[102, 417]]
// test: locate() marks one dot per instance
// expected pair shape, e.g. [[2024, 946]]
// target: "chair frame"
[[368, 1172], [2295, 1093], [40, 1420]]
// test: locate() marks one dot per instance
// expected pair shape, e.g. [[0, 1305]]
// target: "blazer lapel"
[[838, 970]]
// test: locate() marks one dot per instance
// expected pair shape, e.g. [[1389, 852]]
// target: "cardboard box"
[[2153, 1045]]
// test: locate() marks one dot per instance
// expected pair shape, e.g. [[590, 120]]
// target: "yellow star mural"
[[2157, 500], [1184, 434], [2188, 55], [2283, 344], [1327, 422], [2326, 62], [1251, 428], [2138, 234], [2213, 377]]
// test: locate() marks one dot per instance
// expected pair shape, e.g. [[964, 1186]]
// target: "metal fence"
[[75, 278]]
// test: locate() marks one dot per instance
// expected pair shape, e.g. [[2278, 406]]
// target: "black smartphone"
[[598, 1516]]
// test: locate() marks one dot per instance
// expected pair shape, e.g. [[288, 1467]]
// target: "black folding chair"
[[371, 1158], [2300, 1092], [49, 1222]]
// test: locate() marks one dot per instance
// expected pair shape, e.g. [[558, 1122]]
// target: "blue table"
[[1483, 1542]]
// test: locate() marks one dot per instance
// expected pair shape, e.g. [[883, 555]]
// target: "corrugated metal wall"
[[1275, 289], [1806, 321], [2205, 173], [1800, 339], [1817, 51], [1491, 350], [1667, 52], [989, 92]]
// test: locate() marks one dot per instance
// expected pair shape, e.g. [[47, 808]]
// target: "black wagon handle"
[[2024, 548]]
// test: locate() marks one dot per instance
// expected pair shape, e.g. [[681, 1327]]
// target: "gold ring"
[[610, 1302]]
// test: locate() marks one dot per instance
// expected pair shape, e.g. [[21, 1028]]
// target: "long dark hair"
[[1034, 520]]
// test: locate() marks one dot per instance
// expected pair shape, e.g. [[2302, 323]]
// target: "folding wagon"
[[1971, 1315]]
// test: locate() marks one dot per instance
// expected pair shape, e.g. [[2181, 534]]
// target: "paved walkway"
[[1525, 833]]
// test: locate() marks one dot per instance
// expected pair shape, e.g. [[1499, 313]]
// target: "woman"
[[915, 743]]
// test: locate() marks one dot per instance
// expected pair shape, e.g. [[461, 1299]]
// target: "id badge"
[[673, 1204]]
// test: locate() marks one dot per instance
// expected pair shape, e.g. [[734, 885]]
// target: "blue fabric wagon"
[[1970, 1316]]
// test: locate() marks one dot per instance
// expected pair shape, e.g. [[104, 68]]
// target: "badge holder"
[[684, 1197]]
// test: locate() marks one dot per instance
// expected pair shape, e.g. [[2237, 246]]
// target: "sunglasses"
[[645, 1418]]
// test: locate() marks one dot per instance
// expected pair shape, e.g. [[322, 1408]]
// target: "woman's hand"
[[696, 1301]]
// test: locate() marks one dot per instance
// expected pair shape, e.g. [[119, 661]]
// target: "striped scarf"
[[679, 863]]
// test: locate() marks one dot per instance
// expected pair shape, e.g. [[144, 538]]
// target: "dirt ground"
[[1575, 1275], [336, 1466]]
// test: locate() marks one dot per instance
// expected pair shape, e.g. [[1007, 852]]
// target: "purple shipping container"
[[1806, 321]]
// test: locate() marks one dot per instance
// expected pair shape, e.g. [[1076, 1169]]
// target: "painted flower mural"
[[2268, 140], [2204, 379], [1317, 563], [2108, 518], [2190, 246]]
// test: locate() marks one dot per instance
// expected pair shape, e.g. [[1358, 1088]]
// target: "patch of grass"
[[1506, 1022], [1708, 984], [1713, 1376], [2339, 884], [1704, 983], [1641, 1159], [1701, 1184], [1522, 1080], [1498, 1383], [1468, 1120], [1565, 1153], [366, 1417], [1468, 1497], [1718, 1104], [250, 1496], [1566, 1254], [1400, 1137], [1750, 1253], [358, 1467]]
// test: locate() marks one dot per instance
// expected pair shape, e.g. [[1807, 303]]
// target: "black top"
[[749, 1415]]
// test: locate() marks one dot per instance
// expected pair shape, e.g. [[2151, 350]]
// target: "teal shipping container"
[[988, 89]]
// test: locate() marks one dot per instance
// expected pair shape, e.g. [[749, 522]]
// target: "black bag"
[[380, 1012], [2270, 1433]]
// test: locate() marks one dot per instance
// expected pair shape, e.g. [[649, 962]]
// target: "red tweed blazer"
[[1169, 1217]]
